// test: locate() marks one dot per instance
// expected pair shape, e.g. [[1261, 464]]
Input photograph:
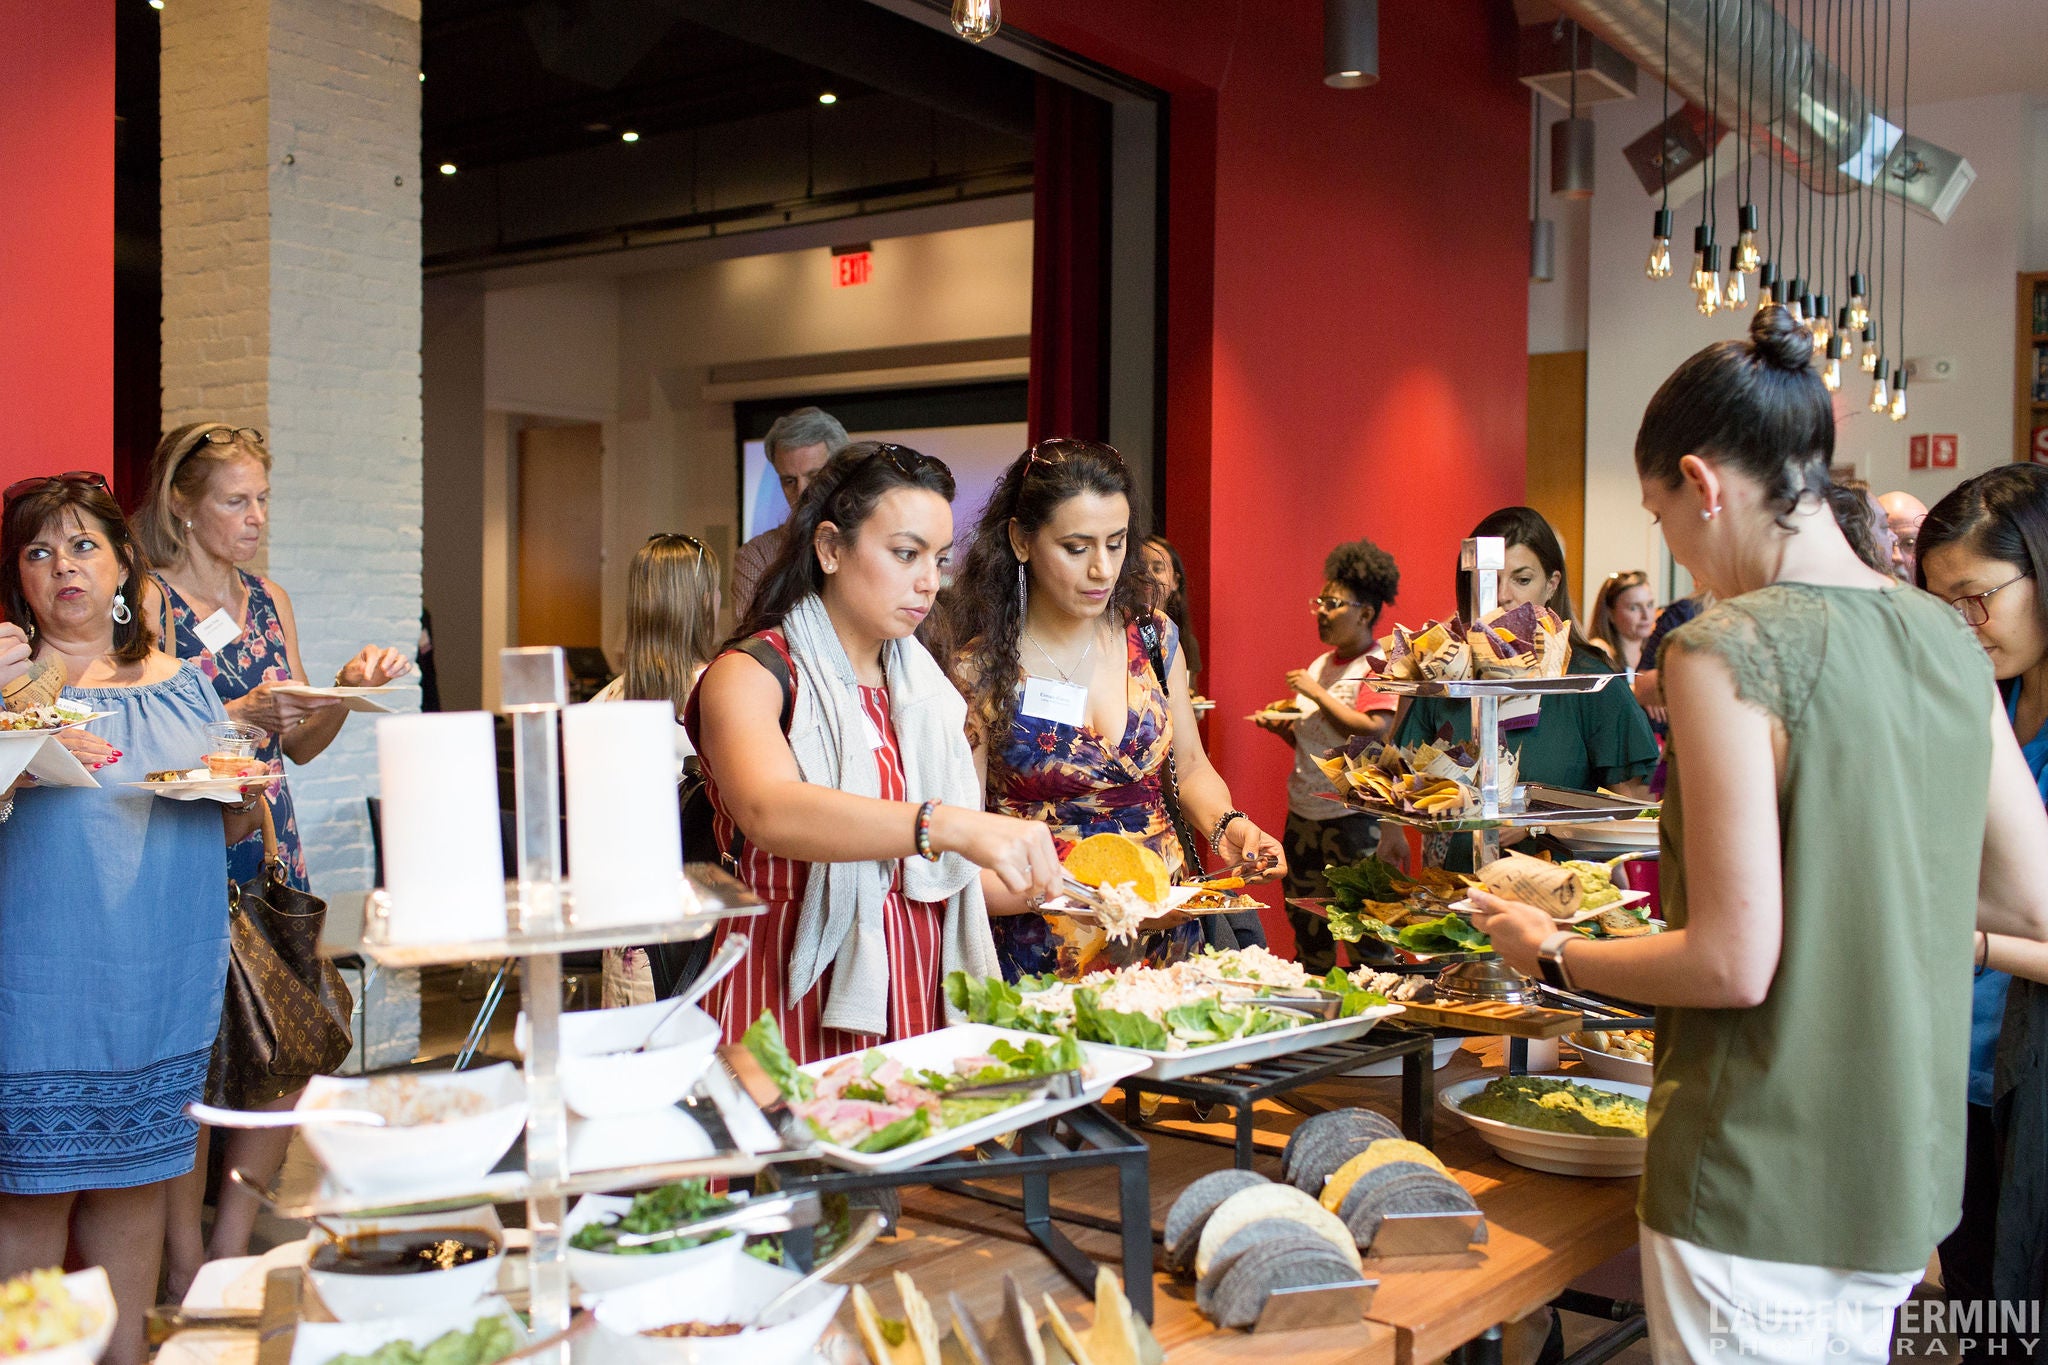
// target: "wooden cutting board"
[[1497, 1017]]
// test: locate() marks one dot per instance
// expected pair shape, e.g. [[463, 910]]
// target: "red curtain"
[[1070, 265]]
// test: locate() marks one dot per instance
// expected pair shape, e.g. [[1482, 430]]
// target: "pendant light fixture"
[[1659, 265], [1542, 231], [1770, 282], [1351, 43], [977, 20], [1706, 276], [1898, 408], [1745, 259], [1571, 142]]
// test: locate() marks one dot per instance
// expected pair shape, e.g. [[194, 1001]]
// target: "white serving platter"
[[380, 700], [1628, 898], [1558, 1153], [937, 1051], [1170, 1066]]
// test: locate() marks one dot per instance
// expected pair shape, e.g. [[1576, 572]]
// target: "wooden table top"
[[1545, 1231]]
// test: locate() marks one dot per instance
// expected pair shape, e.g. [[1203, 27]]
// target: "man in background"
[[798, 445], [1904, 512]]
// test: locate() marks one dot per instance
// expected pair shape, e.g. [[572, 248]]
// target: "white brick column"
[[291, 242]]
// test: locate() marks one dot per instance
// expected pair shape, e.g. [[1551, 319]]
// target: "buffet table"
[[1545, 1232]]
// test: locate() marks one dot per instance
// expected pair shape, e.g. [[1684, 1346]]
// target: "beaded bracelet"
[[1223, 823], [924, 831]]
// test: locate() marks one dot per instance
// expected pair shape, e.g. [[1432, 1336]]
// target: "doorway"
[[560, 553]]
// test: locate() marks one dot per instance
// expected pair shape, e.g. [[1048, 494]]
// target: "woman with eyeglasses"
[[835, 754], [1333, 702], [1624, 614], [1984, 551], [671, 636], [203, 517], [113, 912], [1846, 807], [1078, 702]]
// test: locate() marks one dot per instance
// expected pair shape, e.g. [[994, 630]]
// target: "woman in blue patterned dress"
[[1053, 646], [208, 502], [113, 914]]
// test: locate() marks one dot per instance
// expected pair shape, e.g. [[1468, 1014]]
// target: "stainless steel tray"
[[717, 896], [1569, 685], [1541, 806]]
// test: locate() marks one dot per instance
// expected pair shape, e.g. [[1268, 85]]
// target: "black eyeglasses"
[[21, 488], [683, 536]]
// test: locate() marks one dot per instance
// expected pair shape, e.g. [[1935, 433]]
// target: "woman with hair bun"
[[835, 754], [1846, 810], [1078, 704]]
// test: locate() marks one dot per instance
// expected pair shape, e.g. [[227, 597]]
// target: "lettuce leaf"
[[1116, 1027], [1451, 934], [901, 1133], [1368, 879], [764, 1040], [1355, 1001], [1349, 926]]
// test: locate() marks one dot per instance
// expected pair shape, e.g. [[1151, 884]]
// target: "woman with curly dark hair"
[[1077, 700], [1332, 703]]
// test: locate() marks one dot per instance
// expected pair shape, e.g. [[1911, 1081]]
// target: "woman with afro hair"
[[1331, 704]]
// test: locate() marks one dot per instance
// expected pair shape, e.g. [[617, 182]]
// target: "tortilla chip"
[[1068, 1337], [924, 1325], [1113, 1340], [874, 1334], [1114, 860]]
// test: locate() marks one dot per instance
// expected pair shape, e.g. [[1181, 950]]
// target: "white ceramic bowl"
[[367, 1298], [423, 1158], [1607, 1066], [1442, 1052], [730, 1293], [95, 1294], [316, 1343], [603, 1078], [598, 1272], [1559, 1153]]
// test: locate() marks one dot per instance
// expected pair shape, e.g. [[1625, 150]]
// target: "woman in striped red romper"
[[859, 571]]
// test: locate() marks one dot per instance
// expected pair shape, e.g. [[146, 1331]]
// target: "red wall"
[[57, 236], [1346, 315]]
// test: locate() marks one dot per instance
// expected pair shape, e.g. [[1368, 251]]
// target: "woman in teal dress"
[[113, 915], [1584, 740]]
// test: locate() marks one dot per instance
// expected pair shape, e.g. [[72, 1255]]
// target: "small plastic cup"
[[234, 749]]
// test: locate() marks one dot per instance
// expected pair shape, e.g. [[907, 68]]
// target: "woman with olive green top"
[[1846, 806]]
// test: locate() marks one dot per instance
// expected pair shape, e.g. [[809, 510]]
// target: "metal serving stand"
[[541, 915]]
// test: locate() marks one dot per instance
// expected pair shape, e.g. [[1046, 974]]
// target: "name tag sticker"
[[1062, 703], [1520, 713], [875, 740], [217, 632]]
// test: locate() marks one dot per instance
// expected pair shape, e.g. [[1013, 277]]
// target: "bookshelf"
[[2030, 386]]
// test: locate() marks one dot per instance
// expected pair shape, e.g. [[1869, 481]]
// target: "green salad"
[[667, 1207], [488, 1341]]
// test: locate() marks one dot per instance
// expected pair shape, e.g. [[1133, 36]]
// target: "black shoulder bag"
[[1240, 929]]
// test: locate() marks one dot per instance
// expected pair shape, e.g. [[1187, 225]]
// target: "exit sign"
[[852, 266]]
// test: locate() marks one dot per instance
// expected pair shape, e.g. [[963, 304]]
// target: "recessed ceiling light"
[[828, 98], [629, 136], [447, 168]]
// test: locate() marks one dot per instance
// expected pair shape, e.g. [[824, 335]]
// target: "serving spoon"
[[869, 1228], [716, 970]]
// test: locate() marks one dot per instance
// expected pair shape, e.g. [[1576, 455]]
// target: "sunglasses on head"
[[21, 488], [909, 463], [683, 536], [1054, 450]]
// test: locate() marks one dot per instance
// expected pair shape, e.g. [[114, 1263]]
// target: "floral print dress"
[[254, 657], [1071, 778]]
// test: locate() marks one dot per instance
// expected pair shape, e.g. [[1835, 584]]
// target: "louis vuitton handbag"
[[286, 1016]]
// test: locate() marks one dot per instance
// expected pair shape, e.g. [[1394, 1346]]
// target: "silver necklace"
[[1065, 677]]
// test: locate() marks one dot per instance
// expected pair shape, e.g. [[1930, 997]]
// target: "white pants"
[[1707, 1306]]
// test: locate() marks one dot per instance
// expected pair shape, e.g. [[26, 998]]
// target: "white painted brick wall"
[[292, 303]]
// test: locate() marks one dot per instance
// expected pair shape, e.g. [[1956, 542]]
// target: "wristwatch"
[[1550, 959]]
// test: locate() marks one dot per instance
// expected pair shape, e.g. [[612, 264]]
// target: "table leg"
[[1134, 1197], [1484, 1349], [1518, 1056], [1245, 1114], [1418, 1095]]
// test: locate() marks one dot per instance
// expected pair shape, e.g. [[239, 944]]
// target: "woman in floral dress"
[[1068, 712]]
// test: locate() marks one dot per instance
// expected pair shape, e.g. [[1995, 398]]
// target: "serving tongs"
[[1315, 1004], [752, 1218], [1058, 1085]]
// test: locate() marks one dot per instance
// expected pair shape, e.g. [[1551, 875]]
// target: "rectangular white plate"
[[1465, 907], [377, 699], [316, 1343], [937, 1051], [226, 790], [1176, 897], [1171, 1066]]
